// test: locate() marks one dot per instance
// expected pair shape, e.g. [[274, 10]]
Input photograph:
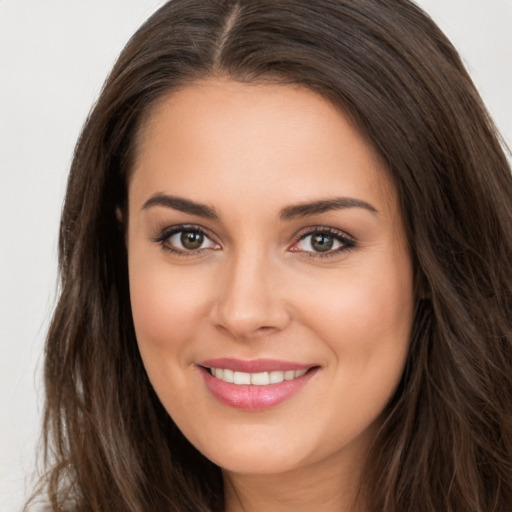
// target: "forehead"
[[231, 137]]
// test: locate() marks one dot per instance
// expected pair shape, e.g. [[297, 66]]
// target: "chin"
[[256, 462], [255, 454]]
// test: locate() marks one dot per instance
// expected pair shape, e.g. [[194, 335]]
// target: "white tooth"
[[276, 377], [228, 376], [256, 379], [260, 379], [241, 378]]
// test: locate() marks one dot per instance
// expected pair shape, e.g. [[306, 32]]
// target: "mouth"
[[255, 379], [254, 385]]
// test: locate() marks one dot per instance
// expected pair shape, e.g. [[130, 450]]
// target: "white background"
[[54, 56]]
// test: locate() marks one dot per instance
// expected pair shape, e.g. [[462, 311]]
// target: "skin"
[[257, 288]]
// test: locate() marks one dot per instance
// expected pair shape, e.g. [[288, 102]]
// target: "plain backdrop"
[[54, 56]]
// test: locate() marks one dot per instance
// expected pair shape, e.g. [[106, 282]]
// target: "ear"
[[122, 218], [119, 215]]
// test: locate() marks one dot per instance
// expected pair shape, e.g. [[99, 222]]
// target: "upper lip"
[[254, 365]]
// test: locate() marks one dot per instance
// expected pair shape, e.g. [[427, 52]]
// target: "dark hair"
[[446, 442]]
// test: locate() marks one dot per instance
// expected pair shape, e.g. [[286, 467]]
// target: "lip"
[[254, 365], [251, 397]]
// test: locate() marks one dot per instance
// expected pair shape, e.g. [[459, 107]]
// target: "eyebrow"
[[288, 213], [316, 207], [182, 205]]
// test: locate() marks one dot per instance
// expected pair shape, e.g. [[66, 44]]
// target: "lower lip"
[[254, 398]]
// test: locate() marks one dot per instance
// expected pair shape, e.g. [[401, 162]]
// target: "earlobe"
[[119, 216], [122, 224]]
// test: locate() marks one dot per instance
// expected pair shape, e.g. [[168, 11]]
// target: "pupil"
[[192, 239], [322, 243]]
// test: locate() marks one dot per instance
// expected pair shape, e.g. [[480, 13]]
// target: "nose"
[[249, 301]]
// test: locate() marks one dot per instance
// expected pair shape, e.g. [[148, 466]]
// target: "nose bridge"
[[248, 301]]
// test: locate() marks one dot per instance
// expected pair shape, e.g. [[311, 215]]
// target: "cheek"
[[362, 308], [167, 304], [168, 307], [365, 318], [367, 324]]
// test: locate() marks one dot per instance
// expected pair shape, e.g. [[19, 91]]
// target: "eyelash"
[[346, 242], [166, 234]]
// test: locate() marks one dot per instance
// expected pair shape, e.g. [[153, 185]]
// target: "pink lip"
[[250, 397]]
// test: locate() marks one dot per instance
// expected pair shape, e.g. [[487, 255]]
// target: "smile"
[[254, 385], [255, 379]]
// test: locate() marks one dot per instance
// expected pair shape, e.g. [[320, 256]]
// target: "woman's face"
[[266, 247]]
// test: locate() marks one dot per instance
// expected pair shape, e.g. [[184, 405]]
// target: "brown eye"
[[191, 240], [186, 241], [322, 242]]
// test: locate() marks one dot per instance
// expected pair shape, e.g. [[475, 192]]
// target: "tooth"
[[276, 377], [228, 376], [260, 379], [256, 379], [241, 378]]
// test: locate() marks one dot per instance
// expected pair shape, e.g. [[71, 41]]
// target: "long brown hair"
[[446, 442]]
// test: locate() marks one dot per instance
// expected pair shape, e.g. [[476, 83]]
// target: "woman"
[[286, 282]]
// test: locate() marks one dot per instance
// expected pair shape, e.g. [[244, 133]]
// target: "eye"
[[185, 239], [323, 242], [189, 240]]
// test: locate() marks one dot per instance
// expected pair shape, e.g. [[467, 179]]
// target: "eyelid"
[[164, 234], [167, 231], [348, 241]]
